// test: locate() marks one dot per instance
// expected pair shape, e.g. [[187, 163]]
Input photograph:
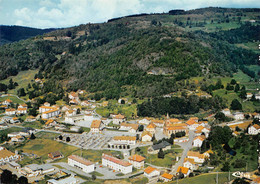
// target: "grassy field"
[[44, 144], [23, 79], [250, 46], [208, 178], [35, 124], [168, 160], [13, 98]]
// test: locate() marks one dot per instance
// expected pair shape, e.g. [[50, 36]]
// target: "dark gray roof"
[[162, 145]]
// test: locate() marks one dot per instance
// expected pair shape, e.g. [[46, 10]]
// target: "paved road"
[[14, 96], [186, 147]]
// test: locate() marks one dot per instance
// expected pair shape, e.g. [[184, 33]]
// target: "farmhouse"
[[198, 158], [154, 149], [151, 172], [132, 128], [81, 163], [197, 141], [10, 112], [226, 112], [254, 129], [55, 155], [22, 110], [184, 170], [95, 126], [189, 163], [7, 102], [166, 177], [117, 119], [116, 164], [146, 136], [137, 161], [151, 128]]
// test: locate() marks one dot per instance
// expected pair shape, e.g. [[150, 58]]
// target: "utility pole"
[[228, 175], [217, 178]]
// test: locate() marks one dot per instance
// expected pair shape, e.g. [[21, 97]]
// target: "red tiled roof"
[[80, 160], [116, 160]]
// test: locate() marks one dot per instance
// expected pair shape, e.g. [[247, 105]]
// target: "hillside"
[[141, 55], [9, 34]]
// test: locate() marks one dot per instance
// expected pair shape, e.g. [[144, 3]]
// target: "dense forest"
[[150, 53]]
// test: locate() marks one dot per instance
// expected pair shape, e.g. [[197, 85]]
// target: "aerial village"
[[127, 148]]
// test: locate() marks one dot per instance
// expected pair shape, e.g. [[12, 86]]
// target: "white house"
[[81, 163], [137, 161], [249, 95], [151, 172], [238, 116], [23, 106], [189, 163], [7, 156], [130, 127], [71, 113], [10, 112], [116, 164], [117, 119], [226, 112], [166, 177], [151, 128], [198, 158], [197, 141], [145, 121], [7, 102], [95, 126], [146, 136], [22, 110], [254, 129], [184, 170]]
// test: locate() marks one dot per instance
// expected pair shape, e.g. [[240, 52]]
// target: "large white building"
[[254, 129], [116, 164], [48, 112], [81, 163]]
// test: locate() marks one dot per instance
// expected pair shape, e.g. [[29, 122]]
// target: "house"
[[130, 127], [71, 113], [226, 112], [146, 136], [158, 123], [47, 104], [37, 80], [117, 119], [137, 161], [34, 170], [195, 119], [192, 124], [30, 119], [198, 158], [257, 96], [166, 177], [256, 181], [14, 165], [145, 121], [197, 141], [55, 155], [95, 126], [254, 129], [15, 120], [174, 128], [151, 128], [238, 116], [65, 108], [73, 96], [154, 149], [50, 123], [7, 156], [151, 172], [22, 110], [128, 140], [190, 163], [10, 112], [117, 164], [74, 102], [68, 180], [13, 134], [184, 170], [200, 129], [85, 103], [207, 153], [7, 102], [81, 163], [23, 106], [249, 95], [17, 138], [75, 128], [50, 113]]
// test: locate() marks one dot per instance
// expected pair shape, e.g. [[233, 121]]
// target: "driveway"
[[186, 146]]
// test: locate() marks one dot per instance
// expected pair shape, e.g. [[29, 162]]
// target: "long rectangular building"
[[81, 163], [116, 164]]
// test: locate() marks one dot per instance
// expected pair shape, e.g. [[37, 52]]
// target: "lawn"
[[35, 124], [168, 160], [13, 98], [206, 178], [23, 79]]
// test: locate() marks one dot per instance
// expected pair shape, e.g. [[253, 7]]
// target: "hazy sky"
[[65, 13]]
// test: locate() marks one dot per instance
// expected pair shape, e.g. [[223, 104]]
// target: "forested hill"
[[10, 34], [143, 55]]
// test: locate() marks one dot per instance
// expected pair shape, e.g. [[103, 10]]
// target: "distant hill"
[[10, 34], [142, 55]]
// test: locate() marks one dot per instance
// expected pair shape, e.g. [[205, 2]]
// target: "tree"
[[3, 87], [171, 140], [134, 101], [237, 88], [233, 82], [68, 139], [78, 111], [6, 176], [32, 136], [225, 167], [141, 128], [229, 87], [160, 154], [236, 105], [22, 180], [33, 112], [220, 116], [242, 94], [68, 34], [122, 101], [21, 92], [240, 181], [60, 137], [93, 177]]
